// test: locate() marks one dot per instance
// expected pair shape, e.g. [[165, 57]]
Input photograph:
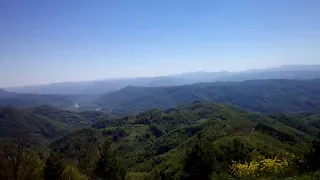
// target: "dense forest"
[[200, 140]]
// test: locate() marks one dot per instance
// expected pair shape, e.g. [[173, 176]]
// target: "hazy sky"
[[43, 41]]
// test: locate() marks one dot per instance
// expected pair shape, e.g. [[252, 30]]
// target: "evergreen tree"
[[71, 172], [314, 155], [53, 167], [109, 166], [197, 164]]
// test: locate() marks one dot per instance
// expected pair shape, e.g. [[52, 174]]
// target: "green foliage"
[[195, 141], [71, 172], [81, 146], [137, 176], [33, 128], [314, 155], [93, 116], [18, 162], [197, 164], [53, 166], [109, 166], [58, 115]]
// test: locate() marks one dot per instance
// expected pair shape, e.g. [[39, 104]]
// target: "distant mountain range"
[[264, 96], [33, 100], [103, 86]]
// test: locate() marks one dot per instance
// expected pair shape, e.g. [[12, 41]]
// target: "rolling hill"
[[34, 100], [24, 124], [153, 143], [43, 124], [264, 96]]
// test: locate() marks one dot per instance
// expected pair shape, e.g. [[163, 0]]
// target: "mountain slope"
[[60, 115], [34, 100], [22, 123], [155, 141], [265, 96], [69, 117], [43, 124]]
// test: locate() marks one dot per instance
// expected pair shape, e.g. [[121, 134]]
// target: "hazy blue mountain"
[[4, 93], [265, 96], [102, 86], [282, 72], [97, 87], [272, 74], [296, 68], [34, 100]]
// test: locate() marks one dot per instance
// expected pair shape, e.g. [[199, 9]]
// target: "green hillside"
[[68, 117], [43, 124], [264, 96], [24, 124], [155, 144], [173, 139]]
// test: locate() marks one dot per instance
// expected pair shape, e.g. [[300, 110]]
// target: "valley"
[[156, 132], [159, 90]]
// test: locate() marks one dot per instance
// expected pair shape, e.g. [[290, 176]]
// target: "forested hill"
[[28, 126], [163, 144], [264, 96], [201, 139], [43, 124]]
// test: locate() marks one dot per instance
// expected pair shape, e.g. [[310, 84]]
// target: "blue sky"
[[74, 40]]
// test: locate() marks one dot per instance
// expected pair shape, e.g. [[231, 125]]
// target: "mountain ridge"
[[266, 96], [102, 86]]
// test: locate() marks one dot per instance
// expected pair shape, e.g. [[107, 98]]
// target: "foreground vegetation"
[[195, 141]]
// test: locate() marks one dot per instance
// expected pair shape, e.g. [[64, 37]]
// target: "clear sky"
[[43, 41]]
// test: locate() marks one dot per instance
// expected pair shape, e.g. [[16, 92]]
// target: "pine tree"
[[109, 166], [197, 164], [53, 167], [314, 155]]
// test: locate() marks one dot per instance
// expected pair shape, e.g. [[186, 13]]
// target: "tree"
[[31, 167], [314, 154], [109, 166], [71, 172], [197, 164], [19, 162], [53, 167]]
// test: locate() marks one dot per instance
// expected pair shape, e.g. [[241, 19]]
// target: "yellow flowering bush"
[[276, 167]]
